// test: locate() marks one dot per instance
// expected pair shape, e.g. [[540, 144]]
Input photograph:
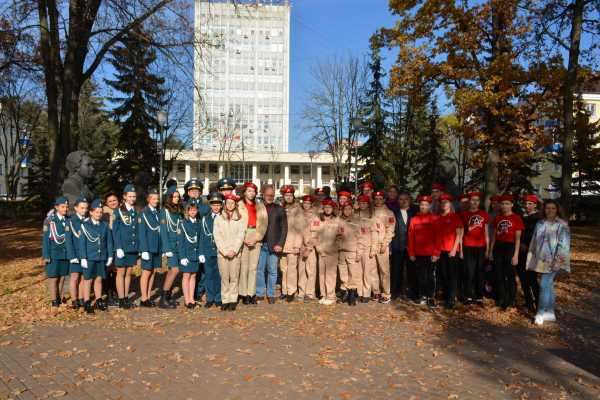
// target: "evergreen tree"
[[586, 154], [430, 147], [39, 174], [142, 97]]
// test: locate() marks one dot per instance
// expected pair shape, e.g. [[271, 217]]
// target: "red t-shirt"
[[447, 233], [506, 227], [475, 224], [423, 235], [251, 207]]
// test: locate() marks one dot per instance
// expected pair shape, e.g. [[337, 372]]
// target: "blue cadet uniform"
[[125, 233], [149, 236], [208, 249], [95, 246], [189, 245], [54, 243], [169, 223], [73, 234], [203, 210]]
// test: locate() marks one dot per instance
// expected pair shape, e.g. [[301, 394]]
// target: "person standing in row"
[[188, 245], [193, 193], [111, 205], [436, 190], [528, 279], [324, 230], [386, 222], [476, 245], [170, 217], [450, 235], [401, 266], [54, 249], [255, 215], [505, 247], [349, 257], [75, 270], [209, 252], [95, 245], [290, 259], [424, 249], [307, 270], [392, 200], [229, 232], [274, 240], [149, 246], [549, 252], [125, 238]]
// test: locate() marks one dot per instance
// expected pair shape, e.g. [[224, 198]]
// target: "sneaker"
[[549, 316], [539, 319], [385, 300], [328, 302], [422, 301]]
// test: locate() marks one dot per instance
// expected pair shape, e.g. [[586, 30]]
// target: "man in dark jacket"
[[401, 265], [273, 241]]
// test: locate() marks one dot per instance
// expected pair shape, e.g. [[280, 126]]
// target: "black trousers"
[[474, 272], [402, 274], [426, 278], [528, 281], [449, 272], [504, 274]]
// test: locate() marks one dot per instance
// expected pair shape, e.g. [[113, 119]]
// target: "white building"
[[241, 69]]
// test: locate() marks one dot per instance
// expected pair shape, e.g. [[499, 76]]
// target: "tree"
[[429, 150], [586, 153], [136, 109]]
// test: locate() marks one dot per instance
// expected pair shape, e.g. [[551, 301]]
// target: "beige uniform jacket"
[[386, 223], [349, 234], [262, 220], [325, 235], [229, 234], [295, 229], [368, 234]]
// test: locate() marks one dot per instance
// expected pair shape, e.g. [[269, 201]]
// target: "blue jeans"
[[546, 292], [200, 283], [267, 265]]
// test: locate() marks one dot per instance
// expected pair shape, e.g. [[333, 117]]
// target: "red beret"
[[506, 197], [364, 198], [308, 198], [474, 194], [531, 197], [379, 193], [495, 198], [250, 185], [344, 193], [446, 196], [424, 198], [367, 185], [328, 202], [287, 189], [232, 196], [437, 186], [463, 197]]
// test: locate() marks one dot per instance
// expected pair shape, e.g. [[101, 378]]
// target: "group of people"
[[363, 247]]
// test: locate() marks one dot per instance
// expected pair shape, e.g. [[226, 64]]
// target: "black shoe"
[[290, 298], [271, 300], [365, 299], [190, 306], [253, 300], [113, 301], [81, 302], [431, 303], [146, 304], [351, 297], [232, 306], [164, 302], [101, 305], [75, 305], [123, 304], [344, 296], [218, 304], [56, 303], [209, 304], [282, 297], [224, 306], [89, 309], [246, 300], [449, 305]]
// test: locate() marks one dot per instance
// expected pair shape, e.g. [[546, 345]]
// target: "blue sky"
[[322, 29]]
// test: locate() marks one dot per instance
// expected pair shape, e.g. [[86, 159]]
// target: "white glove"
[[109, 261], [120, 253], [83, 263], [184, 262], [74, 261], [145, 256], [169, 254], [202, 259]]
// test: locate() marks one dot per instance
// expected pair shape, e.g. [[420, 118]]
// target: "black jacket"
[[276, 227], [400, 240]]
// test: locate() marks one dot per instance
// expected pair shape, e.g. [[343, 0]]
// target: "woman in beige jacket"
[[307, 265], [293, 243], [229, 232]]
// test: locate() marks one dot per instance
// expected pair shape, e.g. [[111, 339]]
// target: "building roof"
[[265, 157]]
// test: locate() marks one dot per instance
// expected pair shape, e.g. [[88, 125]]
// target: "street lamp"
[[161, 118]]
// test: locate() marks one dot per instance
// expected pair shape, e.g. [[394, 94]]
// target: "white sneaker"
[[549, 316], [328, 302], [539, 319], [321, 300]]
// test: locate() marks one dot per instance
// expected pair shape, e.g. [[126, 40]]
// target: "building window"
[[264, 168], [277, 169], [295, 169], [201, 168], [180, 167], [590, 108], [306, 170], [213, 168], [325, 170]]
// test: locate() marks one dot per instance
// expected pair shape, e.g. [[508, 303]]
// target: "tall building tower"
[[241, 72]]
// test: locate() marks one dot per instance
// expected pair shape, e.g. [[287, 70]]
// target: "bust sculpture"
[[80, 170], [445, 174]]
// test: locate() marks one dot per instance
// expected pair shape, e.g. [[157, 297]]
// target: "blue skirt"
[[94, 270], [57, 268], [191, 268], [173, 262], [154, 262], [76, 267], [130, 260]]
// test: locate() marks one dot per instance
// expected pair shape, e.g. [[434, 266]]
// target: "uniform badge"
[[316, 223], [364, 230], [378, 226], [127, 220]]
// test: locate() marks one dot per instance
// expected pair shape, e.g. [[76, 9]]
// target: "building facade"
[[241, 70]]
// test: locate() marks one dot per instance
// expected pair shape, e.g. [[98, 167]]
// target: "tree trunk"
[[568, 120]]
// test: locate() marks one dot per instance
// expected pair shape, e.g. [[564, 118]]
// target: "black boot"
[[344, 296], [75, 305], [124, 303], [164, 301], [352, 293], [290, 298], [232, 306], [208, 304], [224, 306], [101, 304], [89, 309], [245, 300], [56, 303], [253, 300]]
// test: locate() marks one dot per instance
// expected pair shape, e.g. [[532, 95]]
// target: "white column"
[[270, 181], [286, 174], [221, 168], [188, 172], [332, 184], [301, 186], [255, 174], [319, 176], [280, 183], [312, 183], [206, 185]]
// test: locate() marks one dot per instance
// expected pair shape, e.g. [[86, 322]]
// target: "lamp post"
[[161, 117], [356, 125], [311, 155]]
